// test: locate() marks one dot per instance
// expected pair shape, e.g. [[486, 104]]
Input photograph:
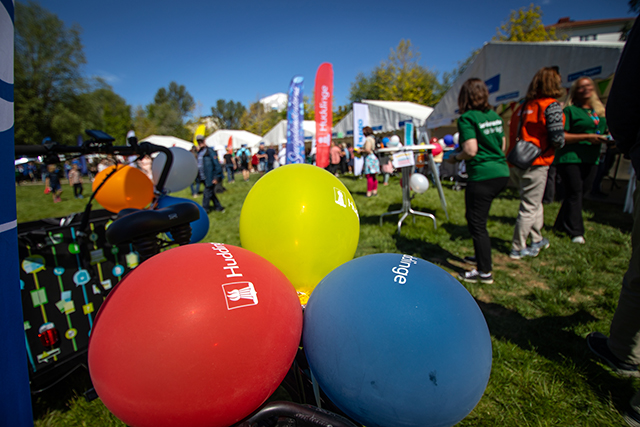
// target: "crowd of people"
[[570, 138]]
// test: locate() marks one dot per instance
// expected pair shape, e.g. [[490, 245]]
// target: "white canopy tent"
[[220, 139], [387, 116], [508, 67], [278, 134], [168, 141]]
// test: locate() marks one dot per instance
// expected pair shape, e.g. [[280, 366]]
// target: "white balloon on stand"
[[419, 183]]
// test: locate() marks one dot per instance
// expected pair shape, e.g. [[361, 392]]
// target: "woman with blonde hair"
[[585, 128], [539, 120]]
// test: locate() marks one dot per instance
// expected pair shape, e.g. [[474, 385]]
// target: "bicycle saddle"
[[132, 224]]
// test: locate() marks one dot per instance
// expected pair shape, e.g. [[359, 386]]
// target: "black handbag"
[[524, 153]]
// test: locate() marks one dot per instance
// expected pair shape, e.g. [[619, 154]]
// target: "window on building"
[[589, 37]]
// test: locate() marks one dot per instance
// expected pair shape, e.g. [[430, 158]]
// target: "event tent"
[[508, 67], [220, 139], [386, 116], [278, 134], [168, 141]]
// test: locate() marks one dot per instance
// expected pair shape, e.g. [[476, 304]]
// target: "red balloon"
[[199, 335], [433, 140], [437, 149]]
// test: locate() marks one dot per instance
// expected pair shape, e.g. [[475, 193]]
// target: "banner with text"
[[324, 113], [360, 120], [295, 117]]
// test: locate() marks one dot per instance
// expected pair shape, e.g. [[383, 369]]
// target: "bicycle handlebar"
[[90, 147]]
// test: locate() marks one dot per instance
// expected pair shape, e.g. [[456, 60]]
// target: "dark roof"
[[566, 22]]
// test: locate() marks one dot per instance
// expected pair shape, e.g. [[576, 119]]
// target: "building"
[[605, 30]]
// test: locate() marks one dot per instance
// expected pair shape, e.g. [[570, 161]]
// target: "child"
[[52, 182], [75, 180]]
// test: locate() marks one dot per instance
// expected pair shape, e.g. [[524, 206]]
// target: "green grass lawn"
[[538, 310]]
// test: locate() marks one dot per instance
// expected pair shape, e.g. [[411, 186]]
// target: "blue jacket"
[[211, 167]]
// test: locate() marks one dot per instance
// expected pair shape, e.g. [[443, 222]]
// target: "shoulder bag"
[[525, 152]]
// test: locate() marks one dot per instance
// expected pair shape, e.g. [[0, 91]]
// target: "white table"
[[406, 190]]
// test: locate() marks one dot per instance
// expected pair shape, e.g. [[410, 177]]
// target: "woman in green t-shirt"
[[585, 128], [483, 144]]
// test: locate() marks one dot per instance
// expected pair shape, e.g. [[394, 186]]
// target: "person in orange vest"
[[538, 120]]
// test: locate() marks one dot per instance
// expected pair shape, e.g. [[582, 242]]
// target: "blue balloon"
[[200, 227], [394, 340], [448, 140]]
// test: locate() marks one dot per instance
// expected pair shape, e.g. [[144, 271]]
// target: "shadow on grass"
[[428, 251], [610, 215], [548, 337]]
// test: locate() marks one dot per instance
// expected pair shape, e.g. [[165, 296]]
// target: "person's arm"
[[623, 105], [554, 119], [574, 138]]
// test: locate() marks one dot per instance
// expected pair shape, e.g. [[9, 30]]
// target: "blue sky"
[[244, 50]]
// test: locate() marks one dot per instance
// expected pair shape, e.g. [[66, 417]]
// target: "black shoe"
[[471, 260], [597, 343], [474, 276]]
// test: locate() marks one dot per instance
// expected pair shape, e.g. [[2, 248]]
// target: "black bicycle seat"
[[135, 223]]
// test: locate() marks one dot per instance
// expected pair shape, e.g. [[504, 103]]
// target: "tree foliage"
[[259, 121], [228, 114], [48, 57], [525, 25], [166, 115], [399, 78], [176, 96]]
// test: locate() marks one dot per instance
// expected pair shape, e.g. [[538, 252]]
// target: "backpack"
[[244, 157]]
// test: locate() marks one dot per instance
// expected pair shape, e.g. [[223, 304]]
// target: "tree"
[[228, 115], [257, 120], [525, 26], [48, 58], [177, 96], [400, 78], [165, 116]]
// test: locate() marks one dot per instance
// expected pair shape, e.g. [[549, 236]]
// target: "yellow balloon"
[[128, 187], [303, 220]]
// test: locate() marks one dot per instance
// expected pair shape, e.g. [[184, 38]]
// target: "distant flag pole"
[[295, 117], [15, 396], [324, 113], [199, 131]]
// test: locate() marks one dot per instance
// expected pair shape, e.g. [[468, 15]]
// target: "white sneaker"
[[579, 239]]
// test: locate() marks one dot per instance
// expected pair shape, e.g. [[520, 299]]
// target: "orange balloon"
[[128, 187]]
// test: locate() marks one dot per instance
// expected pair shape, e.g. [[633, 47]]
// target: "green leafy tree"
[[48, 59], [257, 120], [399, 78], [177, 96], [340, 112], [228, 114], [166, 115], [525, 25]]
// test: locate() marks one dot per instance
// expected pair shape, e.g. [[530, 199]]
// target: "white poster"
[[360, 120]]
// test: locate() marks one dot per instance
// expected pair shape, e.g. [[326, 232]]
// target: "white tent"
[[387, 116], [508, 67], [278, 134], [220, 139], [168, 141]]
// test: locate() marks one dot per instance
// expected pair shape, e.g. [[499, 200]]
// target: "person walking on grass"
[[483, 144], [75, 180], [540, 121], [52, 183], [621, 350]]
